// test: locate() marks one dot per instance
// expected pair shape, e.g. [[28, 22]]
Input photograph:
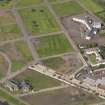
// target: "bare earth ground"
[[74, 30], [68, 96], [72, 63]]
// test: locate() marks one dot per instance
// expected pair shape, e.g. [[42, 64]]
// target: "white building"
[[91, 28]]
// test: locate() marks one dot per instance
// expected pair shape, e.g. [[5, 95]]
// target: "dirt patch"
[[68, 96]]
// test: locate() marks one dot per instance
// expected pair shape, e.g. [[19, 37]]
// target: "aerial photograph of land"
[[52, 52]]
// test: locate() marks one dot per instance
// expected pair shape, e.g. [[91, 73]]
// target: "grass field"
[[68, 8], [39, 20], [9, 32], [23, 3], [3, 66], [54, 63], [51, 45], [38, 81], [9, 98], [6, 18], [6, 3], [18, 53], [92, 5]]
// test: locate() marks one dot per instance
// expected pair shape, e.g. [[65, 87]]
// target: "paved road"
[[25, 33]]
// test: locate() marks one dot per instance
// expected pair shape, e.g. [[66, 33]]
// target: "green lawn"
[[9, 32], [54, 63], [39, 81], [92, 58], [6, 3], [68, 8], [92, 5], [39, 20], [23, 3], [51, 45], [9, 98]]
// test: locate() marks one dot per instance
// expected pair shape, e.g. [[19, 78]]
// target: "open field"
[[9, 32], [23, 3], [51, 45], [6, 18], [39, 20], [54, 63], [8, 28], [9, 98], [68, 96], [68, 8], [3, 66], [92, 5], [18, 53], [38, 81], [67, 64]]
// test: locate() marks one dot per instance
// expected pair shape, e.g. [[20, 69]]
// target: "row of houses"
[[91, 26]]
